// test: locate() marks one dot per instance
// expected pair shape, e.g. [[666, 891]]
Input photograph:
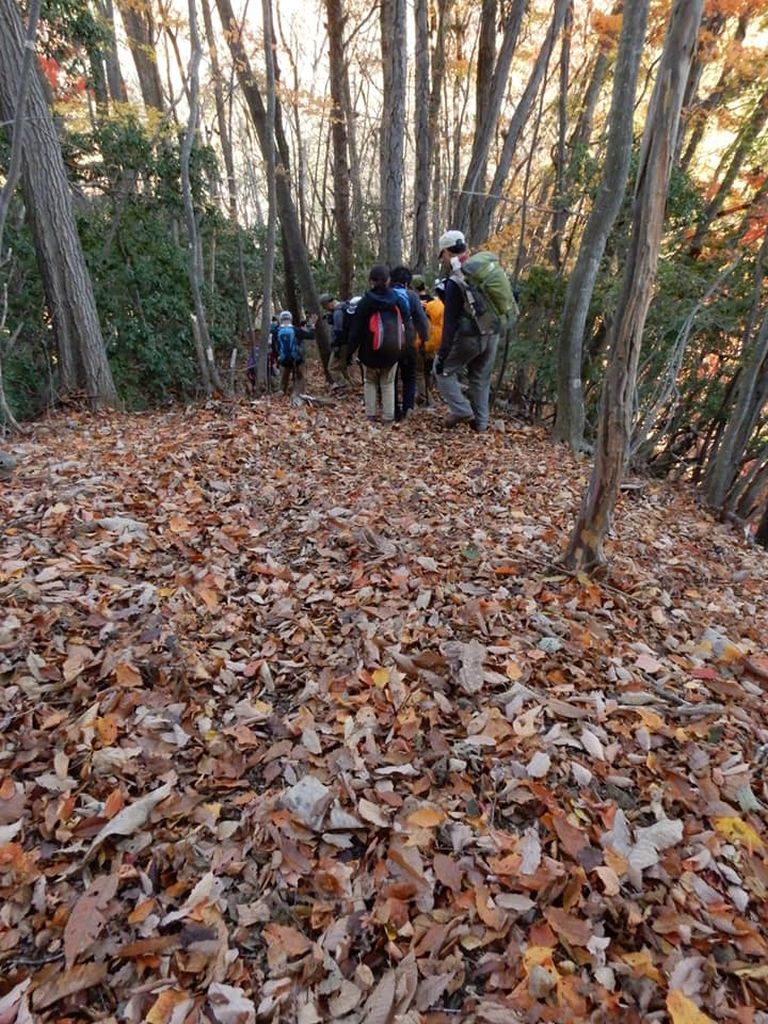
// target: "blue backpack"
[[288, 347]]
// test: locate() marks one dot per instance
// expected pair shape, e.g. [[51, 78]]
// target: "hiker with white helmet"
[[466, 344]]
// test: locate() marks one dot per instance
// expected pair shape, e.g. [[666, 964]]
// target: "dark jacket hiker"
[[377, 334]]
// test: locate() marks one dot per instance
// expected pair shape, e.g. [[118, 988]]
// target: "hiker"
[[463, 346], [289, 343], [333, 314], [338, 365], [377, 334], [434, 307], [415, 323]]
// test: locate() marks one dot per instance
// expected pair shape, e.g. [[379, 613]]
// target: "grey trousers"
[[476, 355]]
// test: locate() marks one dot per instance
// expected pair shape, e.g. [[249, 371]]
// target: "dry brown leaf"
[[574, 930], [73, 980], [87, 917]]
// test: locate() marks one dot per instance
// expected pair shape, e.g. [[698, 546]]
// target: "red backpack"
[[387, 331]]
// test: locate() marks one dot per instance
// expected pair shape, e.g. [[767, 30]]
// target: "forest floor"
[[300, 723]]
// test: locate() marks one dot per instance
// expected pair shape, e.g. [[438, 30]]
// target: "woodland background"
[[385, 125], [296, 732]]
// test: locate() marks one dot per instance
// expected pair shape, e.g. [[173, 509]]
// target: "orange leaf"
[[114, 803], [127, 674], [162, 1009], [574, 930], [426, 817]]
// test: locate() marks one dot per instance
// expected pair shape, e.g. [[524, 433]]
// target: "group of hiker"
[[398, 328]]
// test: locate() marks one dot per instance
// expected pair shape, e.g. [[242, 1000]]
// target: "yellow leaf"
[[380, 677], [734, 830], [426, 817], [642, 963], [683, 1010], [651, 720], [538, 956]]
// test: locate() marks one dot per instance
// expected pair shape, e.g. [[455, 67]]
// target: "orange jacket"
[[434, 310]]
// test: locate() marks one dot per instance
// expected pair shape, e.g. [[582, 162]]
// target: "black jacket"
[[360, 337]]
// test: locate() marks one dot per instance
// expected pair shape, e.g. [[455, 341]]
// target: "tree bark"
[[569, 422], [433, 126], [470, 199], [585, 550], [268, 268], [751, 393], [66, 281], [558, 198], [394, 33], [140, 30], [482, 225], [289, 221], [419, 243], [221, 112], [341, 182], [761, 536], [115, 81], [701, 112], [200, 322]]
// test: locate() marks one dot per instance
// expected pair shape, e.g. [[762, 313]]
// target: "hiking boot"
[[454, 420], [477, 428]]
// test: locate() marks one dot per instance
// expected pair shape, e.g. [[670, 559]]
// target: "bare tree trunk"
[[200, 323], [140, 29], [585, 550], [354, 155], [299, 153], [583, 130], [289, 221], [470, 198], [702, 110], [341, 183], [393, 56], [66, 281], [433, 122], [268, 267], [558, 200], [419, 254], [482, 226], [751, 393], [569, 423], [761, 536], [115, 81], [221, 112]]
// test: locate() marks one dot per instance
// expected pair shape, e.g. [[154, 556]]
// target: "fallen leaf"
[[574, 930], [682, 1010], [426, 817], [734, 830], [68, 983], [131, 818], [87, 917]]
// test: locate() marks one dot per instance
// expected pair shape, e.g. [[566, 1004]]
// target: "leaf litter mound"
[[301, 723]]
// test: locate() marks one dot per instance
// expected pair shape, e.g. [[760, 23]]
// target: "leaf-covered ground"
[[301, 724]]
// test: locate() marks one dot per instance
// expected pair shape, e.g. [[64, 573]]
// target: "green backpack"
[[486, 276]]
